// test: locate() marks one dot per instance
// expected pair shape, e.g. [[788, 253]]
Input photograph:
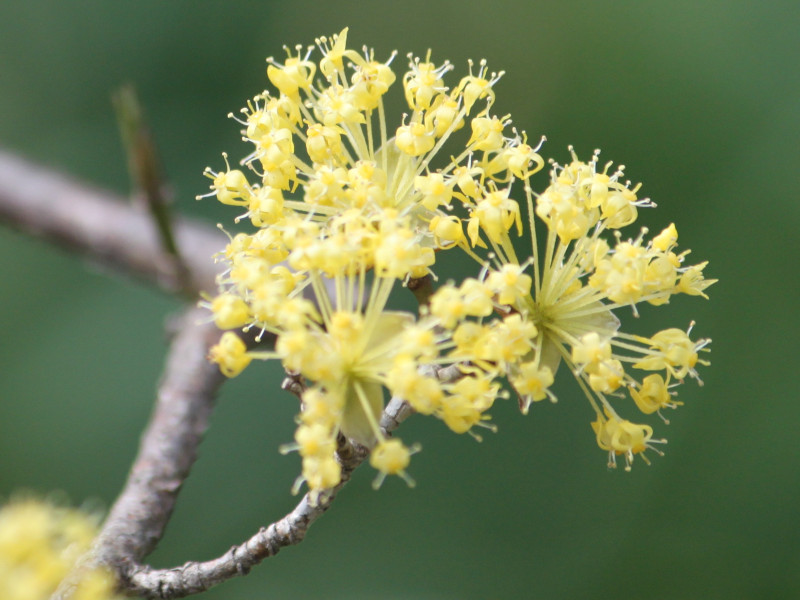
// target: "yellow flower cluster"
[[40, 545], [345, 210], [567, 305]]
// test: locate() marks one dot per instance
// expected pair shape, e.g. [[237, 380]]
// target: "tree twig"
[[99, 225], [146, 172], [195, 577]]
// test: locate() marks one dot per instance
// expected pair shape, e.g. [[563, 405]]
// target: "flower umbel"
[[577, 287], [346, 206]]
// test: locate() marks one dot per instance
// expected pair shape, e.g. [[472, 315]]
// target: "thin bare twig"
[[195, 577], [146, 172], [101, 226]]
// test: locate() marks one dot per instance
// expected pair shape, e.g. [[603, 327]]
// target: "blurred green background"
[[701, 100]]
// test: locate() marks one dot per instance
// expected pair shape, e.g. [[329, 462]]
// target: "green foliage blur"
[[701, 101]]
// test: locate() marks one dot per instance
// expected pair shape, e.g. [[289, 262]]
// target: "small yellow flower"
[[621, 437], [230, 354], [510, 283], [653, 395], [451, 304], [532, 383], [424, 394], [230, 311], [321, 473], [470, 397], [391, 457], [673, 351]]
